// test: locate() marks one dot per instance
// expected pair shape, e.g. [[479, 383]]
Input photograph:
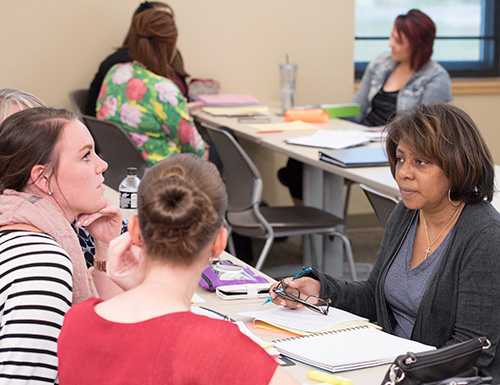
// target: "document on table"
[[237, 111], [304, 321], [263, 128], [227, 100], [336, 139]]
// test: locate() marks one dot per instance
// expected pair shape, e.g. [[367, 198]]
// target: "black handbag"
[[434, 366]]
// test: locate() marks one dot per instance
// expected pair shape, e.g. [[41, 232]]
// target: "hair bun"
[[180, 208]]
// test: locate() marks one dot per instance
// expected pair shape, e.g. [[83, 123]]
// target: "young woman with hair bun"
[[147, 334]]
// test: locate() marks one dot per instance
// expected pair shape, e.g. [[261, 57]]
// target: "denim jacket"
[[431, 83]]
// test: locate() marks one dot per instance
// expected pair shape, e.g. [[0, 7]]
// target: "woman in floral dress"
[[142, 97]]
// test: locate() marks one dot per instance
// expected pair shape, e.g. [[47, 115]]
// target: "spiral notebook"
[[348, 349]]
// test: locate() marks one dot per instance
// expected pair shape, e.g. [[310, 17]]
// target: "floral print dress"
[[151, 109]]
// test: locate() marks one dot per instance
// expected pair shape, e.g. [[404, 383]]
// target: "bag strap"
[[396, 375]]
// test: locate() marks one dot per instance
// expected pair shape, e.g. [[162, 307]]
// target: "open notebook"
[[347, 349], [303, 321]]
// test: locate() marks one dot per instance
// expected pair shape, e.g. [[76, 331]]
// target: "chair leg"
[[230, 246], [350, 258], [230, 242], [264, 252], [347, 197], [348, 251], [317, 259]]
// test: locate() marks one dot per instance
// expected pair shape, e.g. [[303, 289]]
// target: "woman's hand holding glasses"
[[298, 293]]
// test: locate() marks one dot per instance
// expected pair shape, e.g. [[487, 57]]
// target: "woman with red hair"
[[405, 77], [393, 82]]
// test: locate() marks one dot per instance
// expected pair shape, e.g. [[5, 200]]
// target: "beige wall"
[[52, 47]]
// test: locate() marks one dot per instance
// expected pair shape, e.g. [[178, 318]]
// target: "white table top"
[[379, 178], [299, 371]]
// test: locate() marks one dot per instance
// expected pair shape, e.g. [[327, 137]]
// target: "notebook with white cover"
[[348, 349]]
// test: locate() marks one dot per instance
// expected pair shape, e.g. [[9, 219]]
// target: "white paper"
[[303, 319], [336, 139]]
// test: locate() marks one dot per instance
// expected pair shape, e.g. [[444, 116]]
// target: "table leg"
[[324, 190]]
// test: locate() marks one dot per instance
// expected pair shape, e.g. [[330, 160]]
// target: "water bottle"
[[128, 192]]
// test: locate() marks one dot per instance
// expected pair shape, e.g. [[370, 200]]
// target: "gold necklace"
[[428, 250]]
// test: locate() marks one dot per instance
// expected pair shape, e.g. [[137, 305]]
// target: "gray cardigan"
[[431, 83], [463, 297]]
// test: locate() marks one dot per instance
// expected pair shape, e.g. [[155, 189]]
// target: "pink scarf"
[[23, 208]]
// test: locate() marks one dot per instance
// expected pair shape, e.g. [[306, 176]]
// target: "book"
[[303, 321], [356, 157], [342, 110], [227, 100], [237, 111], [346, 110], [348, 349]]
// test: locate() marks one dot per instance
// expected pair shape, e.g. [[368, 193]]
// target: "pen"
[[268, 300], [305, 270], [269, 131], [223, 316], [328, 378]]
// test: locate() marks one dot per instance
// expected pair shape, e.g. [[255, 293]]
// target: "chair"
[[382, 204], [246, 217], [115, 147], [78, 99]]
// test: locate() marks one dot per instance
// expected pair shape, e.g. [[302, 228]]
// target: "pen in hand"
[[304, 271]]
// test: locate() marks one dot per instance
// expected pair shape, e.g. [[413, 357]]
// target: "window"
[[467, 33]]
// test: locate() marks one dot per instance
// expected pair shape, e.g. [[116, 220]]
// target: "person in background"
[[141, 96], [435, 279], [122, 55], [393, 82], [49, 176], [405, 77], [145, 334], [13, 100]]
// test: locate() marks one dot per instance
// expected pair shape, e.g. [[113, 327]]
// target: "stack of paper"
[[227, 100], [304, 321], [237, 111], [336, 139]]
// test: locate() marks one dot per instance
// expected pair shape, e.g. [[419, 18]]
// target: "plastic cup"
[[288, 75]]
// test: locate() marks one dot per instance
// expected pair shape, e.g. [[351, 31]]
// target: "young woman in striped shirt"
[[50, 175]]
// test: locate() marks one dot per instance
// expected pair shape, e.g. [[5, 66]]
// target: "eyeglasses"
[[313, 303]]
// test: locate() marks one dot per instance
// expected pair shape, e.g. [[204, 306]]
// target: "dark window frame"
[[489, 66]]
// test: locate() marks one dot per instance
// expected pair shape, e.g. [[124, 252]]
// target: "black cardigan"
[[463, 297]]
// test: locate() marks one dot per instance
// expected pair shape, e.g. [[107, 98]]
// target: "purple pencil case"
[[225, 273]]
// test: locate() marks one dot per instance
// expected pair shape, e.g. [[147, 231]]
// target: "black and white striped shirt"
[[35, 293]]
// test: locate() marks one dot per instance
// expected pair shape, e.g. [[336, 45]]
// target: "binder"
[[356, 157], [348, 349]]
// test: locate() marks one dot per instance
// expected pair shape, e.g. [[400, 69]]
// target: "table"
[[298, 371], [323, 182]]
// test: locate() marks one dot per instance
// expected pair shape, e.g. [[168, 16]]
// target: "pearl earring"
[[50, 192]]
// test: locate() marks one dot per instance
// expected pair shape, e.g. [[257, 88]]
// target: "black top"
[[383, 108]]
